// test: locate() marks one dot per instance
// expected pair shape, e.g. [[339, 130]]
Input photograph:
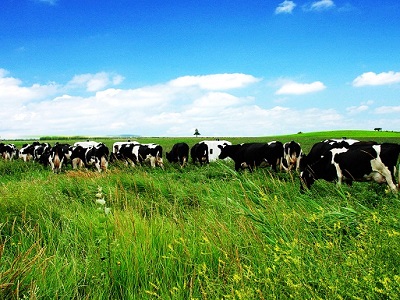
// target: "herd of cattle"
[[340, 160]]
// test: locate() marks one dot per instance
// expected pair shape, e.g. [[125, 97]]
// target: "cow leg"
[[339, 173], [378, 166]]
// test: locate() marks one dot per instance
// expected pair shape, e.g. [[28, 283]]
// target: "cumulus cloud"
[[357, 109], [371, 78], [286, 7], [12, 91], [172, 108], [215, 81], [95, 82], [295, 88], [387, 110], [319, 5]]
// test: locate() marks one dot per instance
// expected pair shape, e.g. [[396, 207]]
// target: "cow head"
[[224, 151]]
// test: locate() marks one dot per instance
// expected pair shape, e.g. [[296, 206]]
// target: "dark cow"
[[251, 155], [199, 153], [361, 161], [292, 154], [178, 154], [93, 155], [8, 151]]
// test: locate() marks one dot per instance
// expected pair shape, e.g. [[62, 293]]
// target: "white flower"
[[101, 201], [107, 210]]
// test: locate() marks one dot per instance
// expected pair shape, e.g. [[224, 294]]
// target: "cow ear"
[[220, 146]]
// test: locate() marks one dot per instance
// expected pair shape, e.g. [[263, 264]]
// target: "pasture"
[[195, 233]]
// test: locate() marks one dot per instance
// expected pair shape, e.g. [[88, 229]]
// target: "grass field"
[[195, 233]]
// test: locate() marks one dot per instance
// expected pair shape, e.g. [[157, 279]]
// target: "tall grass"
[[193, 233]]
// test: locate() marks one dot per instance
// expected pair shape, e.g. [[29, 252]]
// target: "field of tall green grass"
[[196, 233]]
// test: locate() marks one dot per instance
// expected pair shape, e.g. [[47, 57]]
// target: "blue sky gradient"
[[228, 68]]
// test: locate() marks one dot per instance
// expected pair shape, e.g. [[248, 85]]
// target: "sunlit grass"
[[193, 233]]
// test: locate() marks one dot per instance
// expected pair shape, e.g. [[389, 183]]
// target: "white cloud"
[[319, 5], [286, 7], [295, 88], [50, 2], [357, 109], [371, 78], [387, 110], [169, 109], [215, 81], [95, 82], [12, 92]]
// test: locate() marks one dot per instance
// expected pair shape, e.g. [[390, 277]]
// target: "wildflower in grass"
[[101, 201]]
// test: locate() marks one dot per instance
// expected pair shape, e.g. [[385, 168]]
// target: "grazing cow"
[[26, 152], [199, 153], [128, 152], [57, 156], [115, 154], [95, 154], [151, 153], [39, 150], [8, 151], [318, 149], [134, 153], [292, 154], [213, 148], [178, 154], [251, 155], [361, 161]]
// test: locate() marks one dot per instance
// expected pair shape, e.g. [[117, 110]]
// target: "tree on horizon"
[[196, 132]]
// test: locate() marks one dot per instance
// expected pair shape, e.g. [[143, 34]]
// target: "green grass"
[[195, 233]]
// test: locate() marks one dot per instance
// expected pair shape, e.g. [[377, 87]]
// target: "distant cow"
[[178, 154], [95, 154], [360, 161], [199, 153], [251, 155], [292, 154], [8, 151]]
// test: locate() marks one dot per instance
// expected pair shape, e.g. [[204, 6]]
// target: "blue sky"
[[228, 68]]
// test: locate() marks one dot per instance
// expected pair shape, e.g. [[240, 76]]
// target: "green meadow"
[[195, 233]]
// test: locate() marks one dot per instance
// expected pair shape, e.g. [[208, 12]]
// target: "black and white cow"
[[90, 154], [361, 161], [151, 153], [178, 154], [116, 153], [134, 153], [199, 153], [40, 149], [58, 156], [26, 152], [292, 154], [251, 155], [8, 151]]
